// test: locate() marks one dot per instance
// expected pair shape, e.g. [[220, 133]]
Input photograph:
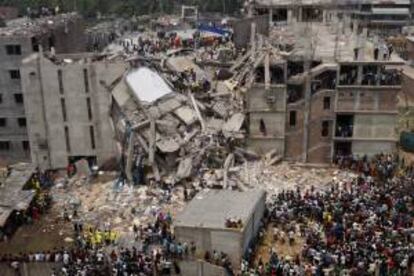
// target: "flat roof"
[[26, 26], [326, 43], [147, 85], [292, 3], [211, 208], [12, 195]]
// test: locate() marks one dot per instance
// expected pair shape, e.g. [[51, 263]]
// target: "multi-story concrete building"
[[20, 38], [380, 16], [377, 15], [68, 108], [330, 93], [282, 12], [406, 99]]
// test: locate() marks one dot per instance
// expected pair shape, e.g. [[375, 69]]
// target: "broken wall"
[[267, 116], [70, 37], [242, 29]]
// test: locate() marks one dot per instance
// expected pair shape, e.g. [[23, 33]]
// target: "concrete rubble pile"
[[100, 206], [179, 135], [285, 176]]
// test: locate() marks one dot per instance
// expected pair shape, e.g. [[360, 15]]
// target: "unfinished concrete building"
[[18, 39], [406, 99], [68, 108], [324, 93], [377, 15], [282, 12]]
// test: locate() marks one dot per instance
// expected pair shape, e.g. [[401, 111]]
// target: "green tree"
[[126, 7]]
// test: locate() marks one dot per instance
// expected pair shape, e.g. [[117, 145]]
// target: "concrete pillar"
[[270, 17], [363, 44], [355, 27], [359, 75], [267, 71], [341, 28], [378, 77], [250, 11], [253, 37], [376, 101], [289, 16], [357, 101], [306, 113], [299, 19], [324, 16], [347, 26]]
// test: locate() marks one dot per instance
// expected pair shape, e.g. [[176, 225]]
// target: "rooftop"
[[292, 2], [211, 208], [147, 85], [12, 195], [27, 27], [326, 43]]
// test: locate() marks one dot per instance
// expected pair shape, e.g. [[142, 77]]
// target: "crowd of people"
[[363, 227], [359, 227]]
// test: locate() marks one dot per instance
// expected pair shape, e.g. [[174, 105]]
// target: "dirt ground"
[[46, 234], [282, 249], [408, 157]]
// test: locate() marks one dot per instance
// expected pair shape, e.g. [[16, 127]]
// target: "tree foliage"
[[127, 7]]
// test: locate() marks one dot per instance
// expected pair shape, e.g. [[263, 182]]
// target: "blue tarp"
[[214, 29]]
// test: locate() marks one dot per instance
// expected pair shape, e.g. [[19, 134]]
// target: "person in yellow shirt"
[[112, 236], [98, 237]]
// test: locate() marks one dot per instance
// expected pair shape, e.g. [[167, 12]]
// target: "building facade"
[[68, 108], [20, 38], [282, 12], [342, 100], [203, 222]]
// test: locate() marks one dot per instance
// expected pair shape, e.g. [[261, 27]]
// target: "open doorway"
[[344, 126], [91, 161], [342, 149], [280, 15]]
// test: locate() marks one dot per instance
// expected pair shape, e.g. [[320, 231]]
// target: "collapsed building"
[[307, 93], [174, 132]]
